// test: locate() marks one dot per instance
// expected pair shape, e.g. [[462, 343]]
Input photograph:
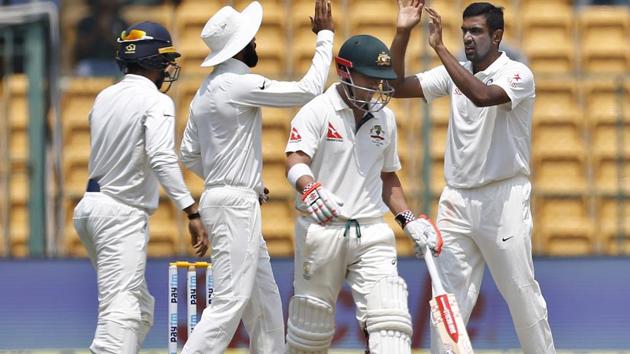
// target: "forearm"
[[399, 50], [393, 194]]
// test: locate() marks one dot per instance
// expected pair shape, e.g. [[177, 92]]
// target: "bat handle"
[[435, 278]]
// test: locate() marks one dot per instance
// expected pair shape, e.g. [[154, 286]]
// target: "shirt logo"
[[295, 136], [383, 59], [516, 77], [377, 135], [332, 134]]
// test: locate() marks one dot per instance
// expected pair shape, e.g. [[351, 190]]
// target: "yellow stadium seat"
[[548, 37], [558, 141], [274, 141], [565, 226], [612, 224], [612, 174], [18, 230], [438, 139], [607, 101], [560, 176], [278, 219], [557, 101], [440, 110], [163, 230], [76, 159], [17, 109], [278, 117], [611, 140], [190, 18], [602, 30], [162, 14], [275, 180], [303, 49], [437, 176], [184, 91], [78, 98]]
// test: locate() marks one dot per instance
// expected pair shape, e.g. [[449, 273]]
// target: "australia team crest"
[[377, 135]]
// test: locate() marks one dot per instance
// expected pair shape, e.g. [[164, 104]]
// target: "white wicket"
[[191, 293]]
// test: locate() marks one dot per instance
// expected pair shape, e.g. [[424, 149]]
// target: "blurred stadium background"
[[579, 52]]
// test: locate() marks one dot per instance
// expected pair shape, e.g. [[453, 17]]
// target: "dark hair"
[[493, 14]]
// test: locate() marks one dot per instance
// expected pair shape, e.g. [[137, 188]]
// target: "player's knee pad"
[[311, 325], [388, 322]]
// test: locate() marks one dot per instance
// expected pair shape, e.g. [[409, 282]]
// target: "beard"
[[250, 57]]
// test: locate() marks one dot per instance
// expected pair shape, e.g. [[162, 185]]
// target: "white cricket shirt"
[[132, 132], [346, 161], [221, 142], [486, 144]]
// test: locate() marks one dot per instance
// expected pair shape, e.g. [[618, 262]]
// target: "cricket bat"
[[445, 315]]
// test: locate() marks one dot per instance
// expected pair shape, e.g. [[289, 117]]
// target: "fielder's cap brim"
[[251, 18], [385, 73]]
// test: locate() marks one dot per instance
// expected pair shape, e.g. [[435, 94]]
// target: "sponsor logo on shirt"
[[332, 134], [515, 79], [377, 135], [295, 136]]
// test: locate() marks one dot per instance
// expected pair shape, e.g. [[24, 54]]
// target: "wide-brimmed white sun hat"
[[229, 31]]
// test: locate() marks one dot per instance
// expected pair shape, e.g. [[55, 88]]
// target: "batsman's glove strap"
[[193, 216], [404, 217]]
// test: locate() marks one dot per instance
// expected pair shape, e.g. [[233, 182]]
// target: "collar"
[[233, 66], [495, 66], [336, 99], [140, 80], [339, 105]]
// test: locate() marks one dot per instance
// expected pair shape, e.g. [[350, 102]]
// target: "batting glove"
[[321, 203], [422, 232]]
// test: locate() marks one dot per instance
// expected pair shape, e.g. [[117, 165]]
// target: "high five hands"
[[323, 17], [410, 14], [435, 28]]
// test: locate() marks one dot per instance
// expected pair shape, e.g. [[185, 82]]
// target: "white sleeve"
[[391, 161], [306, 131], [518, 83], [255, 90], [159, 130], [435, 83], [190, 149]]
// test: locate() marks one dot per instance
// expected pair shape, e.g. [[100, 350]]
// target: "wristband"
[[193, 216], [298, 170], [404, 217]]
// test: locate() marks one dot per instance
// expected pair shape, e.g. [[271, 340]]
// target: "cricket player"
[[132, 129], [483, 213], [342, 159], [222, 145]]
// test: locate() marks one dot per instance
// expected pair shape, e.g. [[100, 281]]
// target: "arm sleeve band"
[[298, 170]]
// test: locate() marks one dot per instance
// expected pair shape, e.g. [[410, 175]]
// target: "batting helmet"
[[367, 55], [370, 57], [147, 44]]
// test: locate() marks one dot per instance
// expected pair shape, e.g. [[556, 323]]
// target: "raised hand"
[[323, 17], [409, 14], [435, 28]]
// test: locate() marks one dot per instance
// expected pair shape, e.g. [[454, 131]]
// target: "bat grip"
[[435, 278]]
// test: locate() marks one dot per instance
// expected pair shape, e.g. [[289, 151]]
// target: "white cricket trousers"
[[116, 236], [492, 225], [326, 256], [244, 287]]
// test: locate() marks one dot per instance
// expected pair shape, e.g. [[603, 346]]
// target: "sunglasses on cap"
[[133, 35]]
